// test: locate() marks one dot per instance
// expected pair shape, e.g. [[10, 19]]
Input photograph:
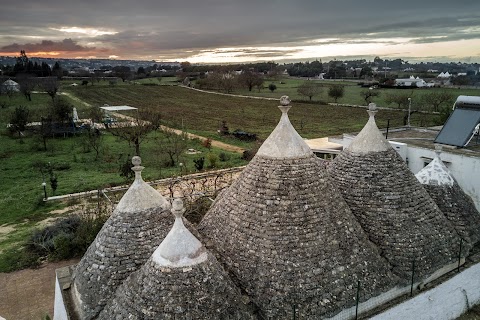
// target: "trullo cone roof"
[[455, 204], [285, 233], [128, 238], [392, 206], [181, 280]]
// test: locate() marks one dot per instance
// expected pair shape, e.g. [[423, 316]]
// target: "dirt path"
[[71, 96], [230, 94], [29, 294], [215, 143]]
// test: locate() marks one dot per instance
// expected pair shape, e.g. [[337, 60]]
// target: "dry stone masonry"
[[392, 206], [181, 280], [128, 238], [281, 242], [455, 204], [288, 238]]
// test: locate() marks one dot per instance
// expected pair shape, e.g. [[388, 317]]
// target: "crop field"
[[203, 113], [288, 86]]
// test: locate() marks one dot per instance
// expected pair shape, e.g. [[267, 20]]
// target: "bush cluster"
[[66, 238]]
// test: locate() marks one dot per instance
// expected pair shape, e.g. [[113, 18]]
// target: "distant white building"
[[412, 81], [10, 86], [444, 75]]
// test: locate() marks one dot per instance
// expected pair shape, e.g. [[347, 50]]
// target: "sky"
[[226, 31]]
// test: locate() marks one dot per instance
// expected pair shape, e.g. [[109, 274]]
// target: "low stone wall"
[[62, 282], [384, 298], [446, 301], [209, 182]]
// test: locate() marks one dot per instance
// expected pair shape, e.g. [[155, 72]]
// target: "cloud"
[[179, 29], [48, 46]]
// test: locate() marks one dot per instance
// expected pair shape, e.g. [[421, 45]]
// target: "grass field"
[[21, 193]]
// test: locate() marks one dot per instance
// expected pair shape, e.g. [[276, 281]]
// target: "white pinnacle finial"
[[372, 109], [284, 104], [177, 208], [140, 196], [136, 161], [438, 150], [180, 248], [284, 141], [284, 100]]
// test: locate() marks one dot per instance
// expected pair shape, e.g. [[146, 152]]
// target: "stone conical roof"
[[455, 204], [284, 232], [284, 141], [391, 205], [370, 139], [181, 280], [128, 238], [435, 173]]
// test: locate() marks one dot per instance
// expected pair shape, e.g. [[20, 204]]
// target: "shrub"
[[199, 163], [63, 245], [41, 241], [66, 238], [212, 159], [249, 154], [223, 157], [16, 259], [125, 169], [207, 143], [60, 166], [195, 210], [272, 87]]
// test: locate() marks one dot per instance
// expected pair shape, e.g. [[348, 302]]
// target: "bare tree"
[[369, 94], [50, 85], [309, 89], [93, 138], [435, 99], [95, 115], [137, 130], [171, 144], [402, 100], [250, 79], [27, 84], [228, 82], [19, 120]]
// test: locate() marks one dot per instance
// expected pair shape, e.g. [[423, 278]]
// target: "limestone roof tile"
[[393, 208], [180, 280], [455, 204], [128, 238], [285, 233]]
